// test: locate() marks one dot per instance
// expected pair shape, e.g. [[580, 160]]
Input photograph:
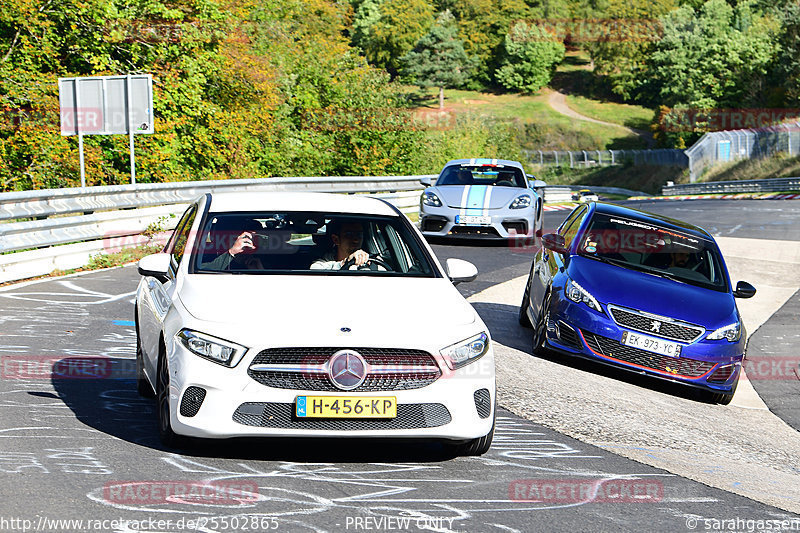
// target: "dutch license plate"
[[346, 407], [473, 220], [651, 344]]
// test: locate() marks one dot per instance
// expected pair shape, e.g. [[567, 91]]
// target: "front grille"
[[520, 227], [567, 335], [669, 365], [672, 329], [483, 403], [474, 231], [281, 415], [192, 400], [433, 224], [311, 358]]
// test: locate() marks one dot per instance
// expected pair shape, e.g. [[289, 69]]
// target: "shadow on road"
[[102, 394]]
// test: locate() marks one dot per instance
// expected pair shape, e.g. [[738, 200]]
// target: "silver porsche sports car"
[[481, 198]]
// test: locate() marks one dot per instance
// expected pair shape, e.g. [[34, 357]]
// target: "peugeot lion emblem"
[[347, 369], [655, 326]]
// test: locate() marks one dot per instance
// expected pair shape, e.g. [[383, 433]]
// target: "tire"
[[540, 328], [476, 447], [168, 437], [524, 321], [723, 398], [143, 386]]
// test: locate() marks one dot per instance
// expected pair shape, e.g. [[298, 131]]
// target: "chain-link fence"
[[586, 158], [732, 145]]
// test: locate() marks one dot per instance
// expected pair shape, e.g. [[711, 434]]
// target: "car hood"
[[612, 284], [477, 195], [314, 309]]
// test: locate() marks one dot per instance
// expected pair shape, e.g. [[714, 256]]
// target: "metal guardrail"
[[591, 158], [735, 186]]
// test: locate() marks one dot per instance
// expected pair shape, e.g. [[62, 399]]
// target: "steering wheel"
[[373, 258]]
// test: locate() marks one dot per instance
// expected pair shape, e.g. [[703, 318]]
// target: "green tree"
[[786, 67], [531, 56], [400, 26], [438, 59], [620, 54], [713, 57]]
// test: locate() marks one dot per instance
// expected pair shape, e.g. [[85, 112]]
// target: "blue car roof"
[[613, 209]]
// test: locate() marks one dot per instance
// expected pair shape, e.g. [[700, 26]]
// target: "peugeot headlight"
[[730, 332], [466, 351], [211, 348], [521, 202], [578, 294], [429, 198]]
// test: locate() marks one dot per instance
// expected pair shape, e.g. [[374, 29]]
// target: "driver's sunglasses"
[[353, 234]]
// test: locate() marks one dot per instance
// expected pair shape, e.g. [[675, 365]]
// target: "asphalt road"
[[77, 442]]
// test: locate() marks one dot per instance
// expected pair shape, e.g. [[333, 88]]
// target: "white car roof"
[[298, 201]]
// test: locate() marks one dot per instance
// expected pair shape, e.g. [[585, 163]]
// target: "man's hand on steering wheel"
[[374, 259], [358, 258]]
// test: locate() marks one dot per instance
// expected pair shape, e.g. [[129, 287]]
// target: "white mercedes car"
[[259, 319]]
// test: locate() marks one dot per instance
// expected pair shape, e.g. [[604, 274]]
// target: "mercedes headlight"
[[578, 294], [429, 198], [730, 332], [211, 348], [521, 202], [466, 351]]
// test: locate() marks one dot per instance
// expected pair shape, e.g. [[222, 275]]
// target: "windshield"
[[658, 250], [499, 175], [309, 243]]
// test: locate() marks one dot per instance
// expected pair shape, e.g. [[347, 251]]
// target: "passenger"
[[347, 238], [679, 259], [239, 255]]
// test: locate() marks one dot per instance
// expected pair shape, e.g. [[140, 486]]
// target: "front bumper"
[[505, 224], [457, 406], [575, 329]]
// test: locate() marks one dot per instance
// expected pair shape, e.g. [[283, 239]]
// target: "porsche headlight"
[[429, 198], [578, 294], [466, 351], [211, 348], [730, 332], [521, 202]]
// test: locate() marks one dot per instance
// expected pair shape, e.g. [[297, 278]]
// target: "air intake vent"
[[192, 400], [483, 403]]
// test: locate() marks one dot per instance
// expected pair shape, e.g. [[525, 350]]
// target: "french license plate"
[[651, 344], [473, 220], [346, 407]]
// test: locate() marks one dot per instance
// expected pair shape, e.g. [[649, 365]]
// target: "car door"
[[157, 294], [548, 263]]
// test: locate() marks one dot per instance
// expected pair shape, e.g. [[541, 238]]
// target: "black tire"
[[168, 437], [540, 328], [723, 398], [143, 386], [476, 447], [524, 321]]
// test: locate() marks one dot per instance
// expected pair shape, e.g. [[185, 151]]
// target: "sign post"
[[106, 105]]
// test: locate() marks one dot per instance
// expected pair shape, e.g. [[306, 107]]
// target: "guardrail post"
[[556, 154], [571, 162]]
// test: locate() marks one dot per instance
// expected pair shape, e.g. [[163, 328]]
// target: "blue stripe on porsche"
[[475, 199]]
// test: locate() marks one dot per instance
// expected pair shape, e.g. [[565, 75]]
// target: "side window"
[[182, 234], [570, 228]]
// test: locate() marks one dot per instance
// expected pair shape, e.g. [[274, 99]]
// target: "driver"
[[347, 237]]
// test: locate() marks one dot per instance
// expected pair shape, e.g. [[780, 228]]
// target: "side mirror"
[[554, 242], [744, 290], [536, 184], [459, 270], [155, 265], [426, 181]]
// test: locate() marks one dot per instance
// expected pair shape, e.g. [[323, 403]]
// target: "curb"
[[738, 196]]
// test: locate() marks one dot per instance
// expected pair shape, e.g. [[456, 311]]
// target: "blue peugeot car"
[[641, 292]]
